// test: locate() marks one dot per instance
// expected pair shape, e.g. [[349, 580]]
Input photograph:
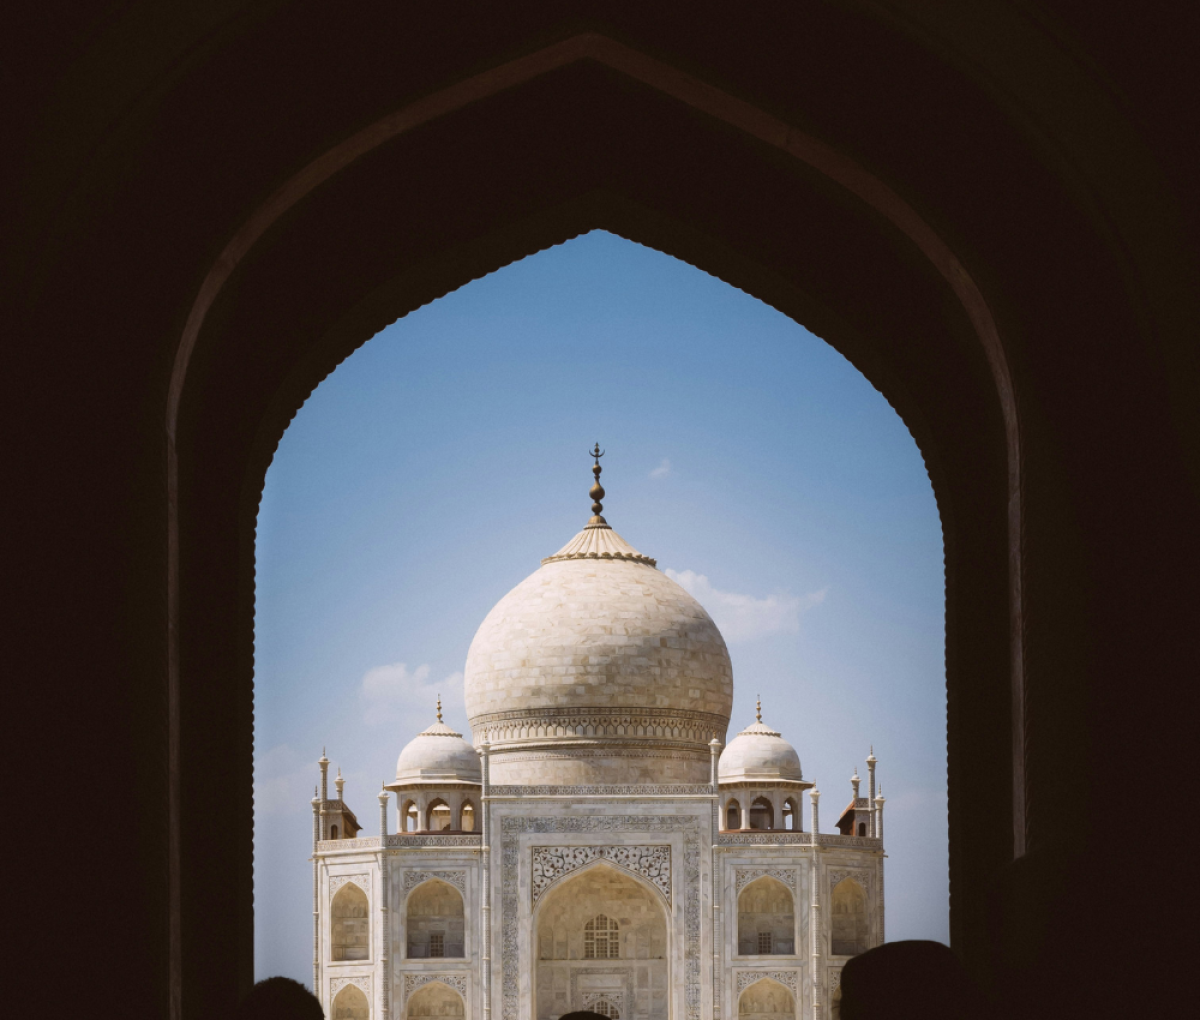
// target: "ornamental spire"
[[758, 707], [597, 491], [439, 708]]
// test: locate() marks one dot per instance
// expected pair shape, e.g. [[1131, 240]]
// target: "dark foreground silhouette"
[[583, 1014], [909, 980], [280, 998]]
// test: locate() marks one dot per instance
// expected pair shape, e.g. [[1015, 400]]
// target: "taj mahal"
[[597, 845]]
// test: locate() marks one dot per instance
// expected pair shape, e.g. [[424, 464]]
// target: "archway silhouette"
[[389, 282]]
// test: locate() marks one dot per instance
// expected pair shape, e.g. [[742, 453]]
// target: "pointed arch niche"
[[604, 907], [434, 921], [766, 919], [350, 924], [435, 999], [350, 1004]]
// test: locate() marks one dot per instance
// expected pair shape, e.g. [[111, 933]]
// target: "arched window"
[[468, 816], [605, 1008], [862, 828], [435, 922], [766, 919], [733, 815], [762, 815], [439, 816], [601, 939], [409, 815], [350, 924], [849, 918], [350, 1004], [333, 832], [791, 815]]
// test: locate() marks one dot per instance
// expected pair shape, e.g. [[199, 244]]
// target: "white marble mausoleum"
[[598, 846]]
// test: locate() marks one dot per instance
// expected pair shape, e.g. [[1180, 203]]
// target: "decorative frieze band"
[[764, 839], [366, 843], [414, 981], [623, 790], [550, 863], [458, 879], [787, 978], [400, 840], [643, 723], [744, 876]]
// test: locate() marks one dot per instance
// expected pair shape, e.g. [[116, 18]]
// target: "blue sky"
[[437, 466]]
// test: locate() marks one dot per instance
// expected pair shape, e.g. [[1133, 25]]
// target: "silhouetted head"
[[907, 981], [280, 998]]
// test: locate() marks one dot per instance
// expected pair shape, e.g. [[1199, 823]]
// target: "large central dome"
[[598, 668]]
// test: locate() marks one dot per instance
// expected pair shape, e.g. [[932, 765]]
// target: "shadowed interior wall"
[[1045, 143]]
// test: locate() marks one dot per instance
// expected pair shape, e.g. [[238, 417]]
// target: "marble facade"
[[595, 847]]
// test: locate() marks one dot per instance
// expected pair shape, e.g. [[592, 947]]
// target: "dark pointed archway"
[[1041, 146]]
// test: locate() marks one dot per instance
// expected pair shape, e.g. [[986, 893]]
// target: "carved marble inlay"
[[764, 839], [550, 863], [458, 879], [414, 981], [835, 979], [787, 978], [616, 998], [621, 790], [366, 843], [511, 830], [361, 982], [362, 881], [430, 839], [860, 875], [744, 876]]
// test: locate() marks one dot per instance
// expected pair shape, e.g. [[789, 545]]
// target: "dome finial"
[[597, 491], [439, 708], [758, 707]]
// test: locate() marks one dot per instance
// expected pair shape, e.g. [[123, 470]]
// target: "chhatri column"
[[879, 810], [815, 935], [324, 763], [714, 750], [316, 835], [385, 974], [485, 912], [871, 766]]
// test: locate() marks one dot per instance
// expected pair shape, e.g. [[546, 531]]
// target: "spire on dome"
[[597, 491], [439, 708], [597, 540], [758, 707]]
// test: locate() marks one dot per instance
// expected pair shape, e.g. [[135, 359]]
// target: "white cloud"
[[283, 781], [663, 469], [394, 692], [743, 617]]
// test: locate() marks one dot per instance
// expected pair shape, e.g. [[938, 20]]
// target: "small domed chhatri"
[[760, 754], [598, 668], [594, 850], [438, 755]]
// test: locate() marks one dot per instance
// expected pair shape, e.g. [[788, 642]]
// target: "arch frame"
[[661, 902], [596, 209]]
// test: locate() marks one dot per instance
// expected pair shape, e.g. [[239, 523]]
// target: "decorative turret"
[[438, 781], [760, 779]]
